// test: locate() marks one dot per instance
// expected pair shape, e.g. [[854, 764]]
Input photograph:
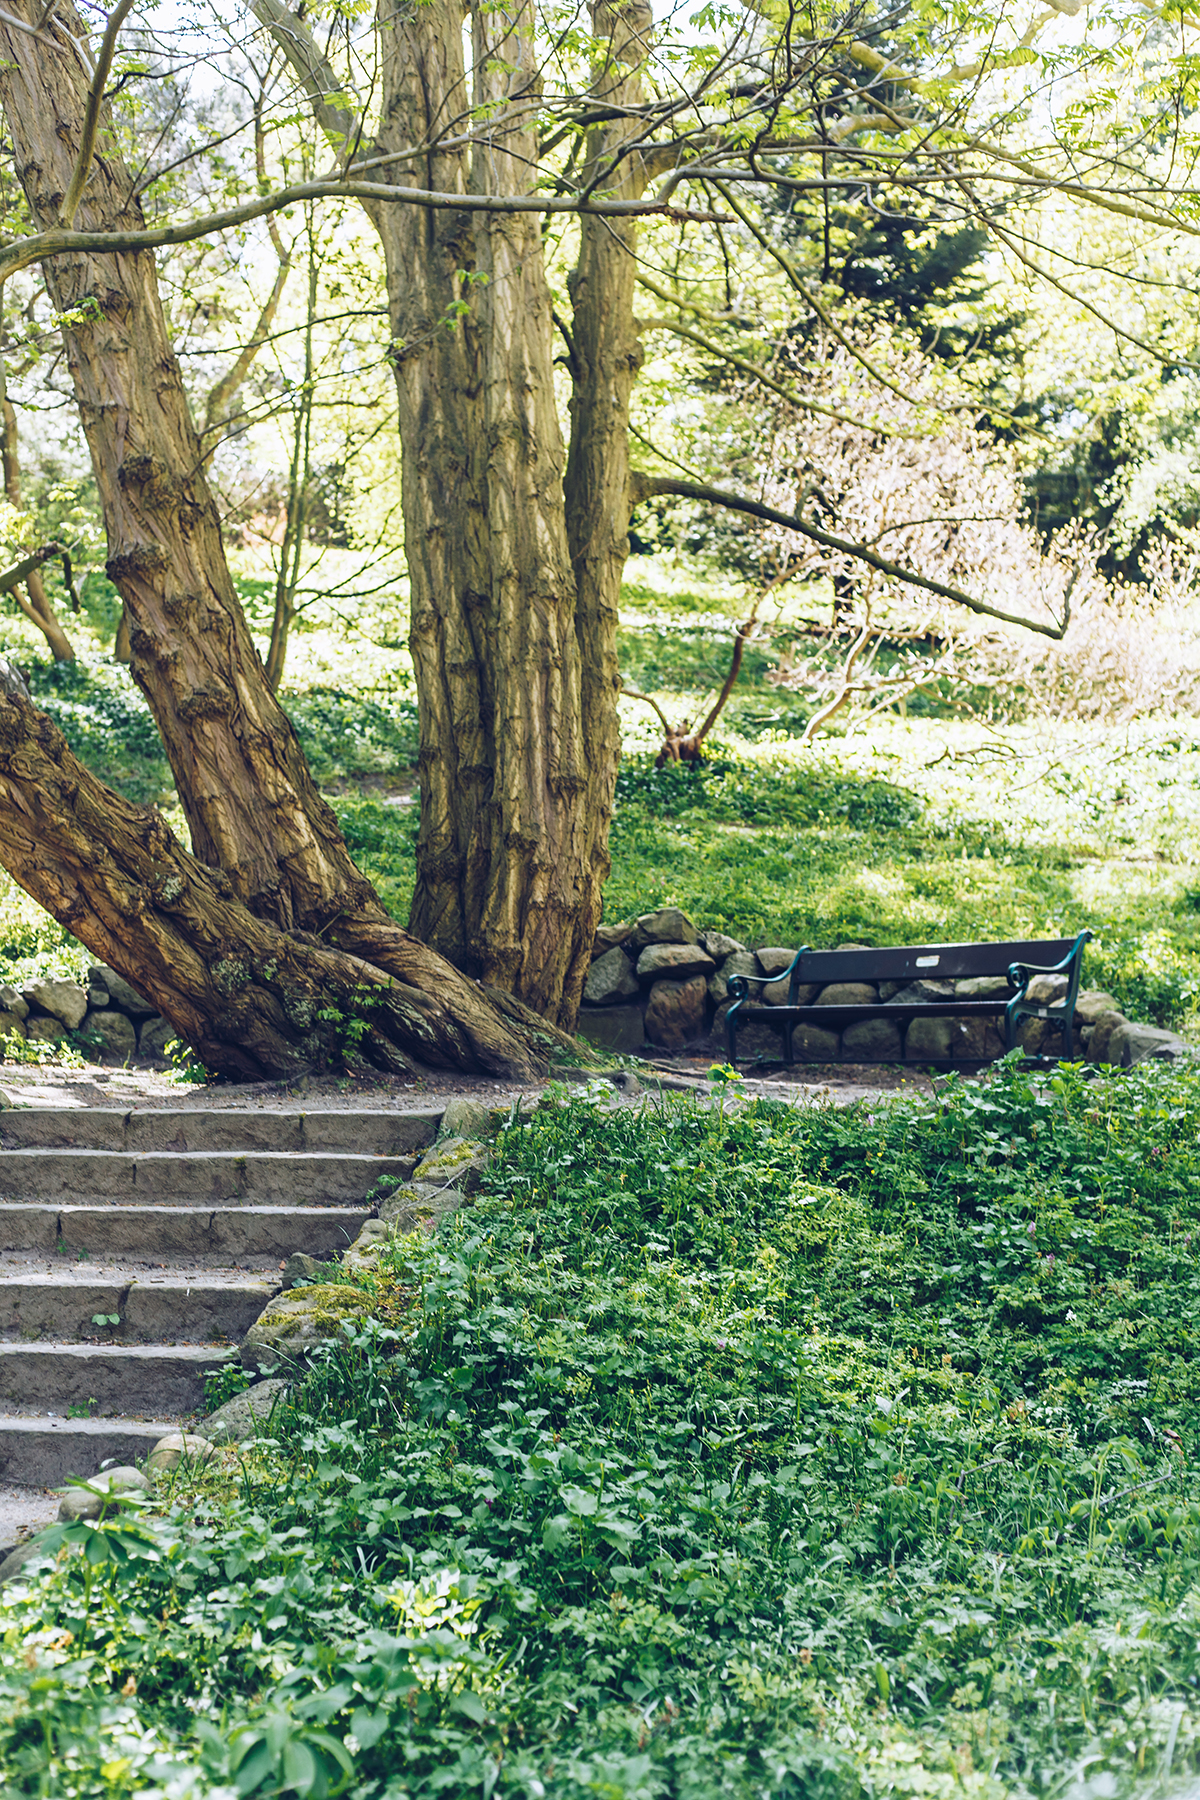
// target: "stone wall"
[[113, 1021], [657, 983]]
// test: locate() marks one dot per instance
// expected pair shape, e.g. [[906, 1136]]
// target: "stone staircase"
[[137, 1248]]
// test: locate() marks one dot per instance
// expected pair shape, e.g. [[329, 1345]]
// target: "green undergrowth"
[[931, 834], [738, 1452]]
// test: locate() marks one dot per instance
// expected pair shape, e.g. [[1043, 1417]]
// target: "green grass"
[[909, 837], [753, 1455], [920, 829]]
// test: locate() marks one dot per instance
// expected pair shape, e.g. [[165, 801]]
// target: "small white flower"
[[1070, 1318]]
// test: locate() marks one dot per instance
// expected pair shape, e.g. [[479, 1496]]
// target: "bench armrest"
[[739, 985], [1019, 974]]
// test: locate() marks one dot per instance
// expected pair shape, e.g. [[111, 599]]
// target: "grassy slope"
[[770, 1455]]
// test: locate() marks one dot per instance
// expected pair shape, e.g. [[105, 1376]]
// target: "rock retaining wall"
[[659, 983], [112, 1019]]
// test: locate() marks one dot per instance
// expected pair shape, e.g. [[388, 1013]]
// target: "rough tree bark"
[[514, 569], [253, 1000], [508, 880], [605, 360], [252, 808]]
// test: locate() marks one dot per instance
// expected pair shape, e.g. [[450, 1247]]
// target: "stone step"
[[153, 1308], [107, 1379], [287, 1178], [369, 1133], [156, 1233], [41, 1452]]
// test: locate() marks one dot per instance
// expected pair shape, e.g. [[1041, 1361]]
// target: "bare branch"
[[645, 486]]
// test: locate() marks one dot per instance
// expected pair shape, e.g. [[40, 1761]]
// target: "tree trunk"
[[513, 782], [606, 357], [254, 1001], [251, 804], [250, 801]]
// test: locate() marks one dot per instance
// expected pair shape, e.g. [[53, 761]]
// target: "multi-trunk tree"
[[266, 944]]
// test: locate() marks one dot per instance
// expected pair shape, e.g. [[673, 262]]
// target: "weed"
[[223, 1384]]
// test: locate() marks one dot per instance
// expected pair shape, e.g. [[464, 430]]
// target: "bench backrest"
[[931, 962]]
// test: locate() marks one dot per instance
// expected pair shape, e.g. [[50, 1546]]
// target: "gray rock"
[[813, 1044], [983, 987], [611, 978], [453, 1162], [88, 1502], [1132, 1044], [42, 1030], [174, 1449], [466, 1118], [415, 1208], [97, 996], [1091, 1003], [847, 993], [627, 1084], [976, 1040], [739, 962], [778, 993], [929, 1040], [28, 1552], [295, 1324], [154, 1034], [64, 1000], [1033, 1033], [298, 1268], [872, 1040], [918, 993], [118, 1039], [608, 937], [675, 1011], [374, 1232], [11, 1001], [719, 946], [619, 1029], [773, 959], [668, 925], [674, 960], [1103, 1030], [120, 991], [13, 1024], [753, 1040], [242, 1417], [1047, 990]]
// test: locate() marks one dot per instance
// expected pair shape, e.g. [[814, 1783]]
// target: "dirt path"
[[94, 1085]]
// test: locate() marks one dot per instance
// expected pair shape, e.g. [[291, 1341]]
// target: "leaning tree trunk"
[[250, 801], [516, 779], [252, 1000]]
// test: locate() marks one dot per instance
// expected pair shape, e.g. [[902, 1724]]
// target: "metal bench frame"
[[1018, 962]]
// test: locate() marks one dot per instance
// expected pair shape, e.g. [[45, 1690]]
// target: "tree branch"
[[645, 486], [12, 578], [41, 245]]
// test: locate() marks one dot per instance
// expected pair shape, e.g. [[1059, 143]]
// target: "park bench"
[[1003, 972]]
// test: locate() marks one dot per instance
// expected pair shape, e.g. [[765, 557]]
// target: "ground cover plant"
[[920, 827], [739, 1451]]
